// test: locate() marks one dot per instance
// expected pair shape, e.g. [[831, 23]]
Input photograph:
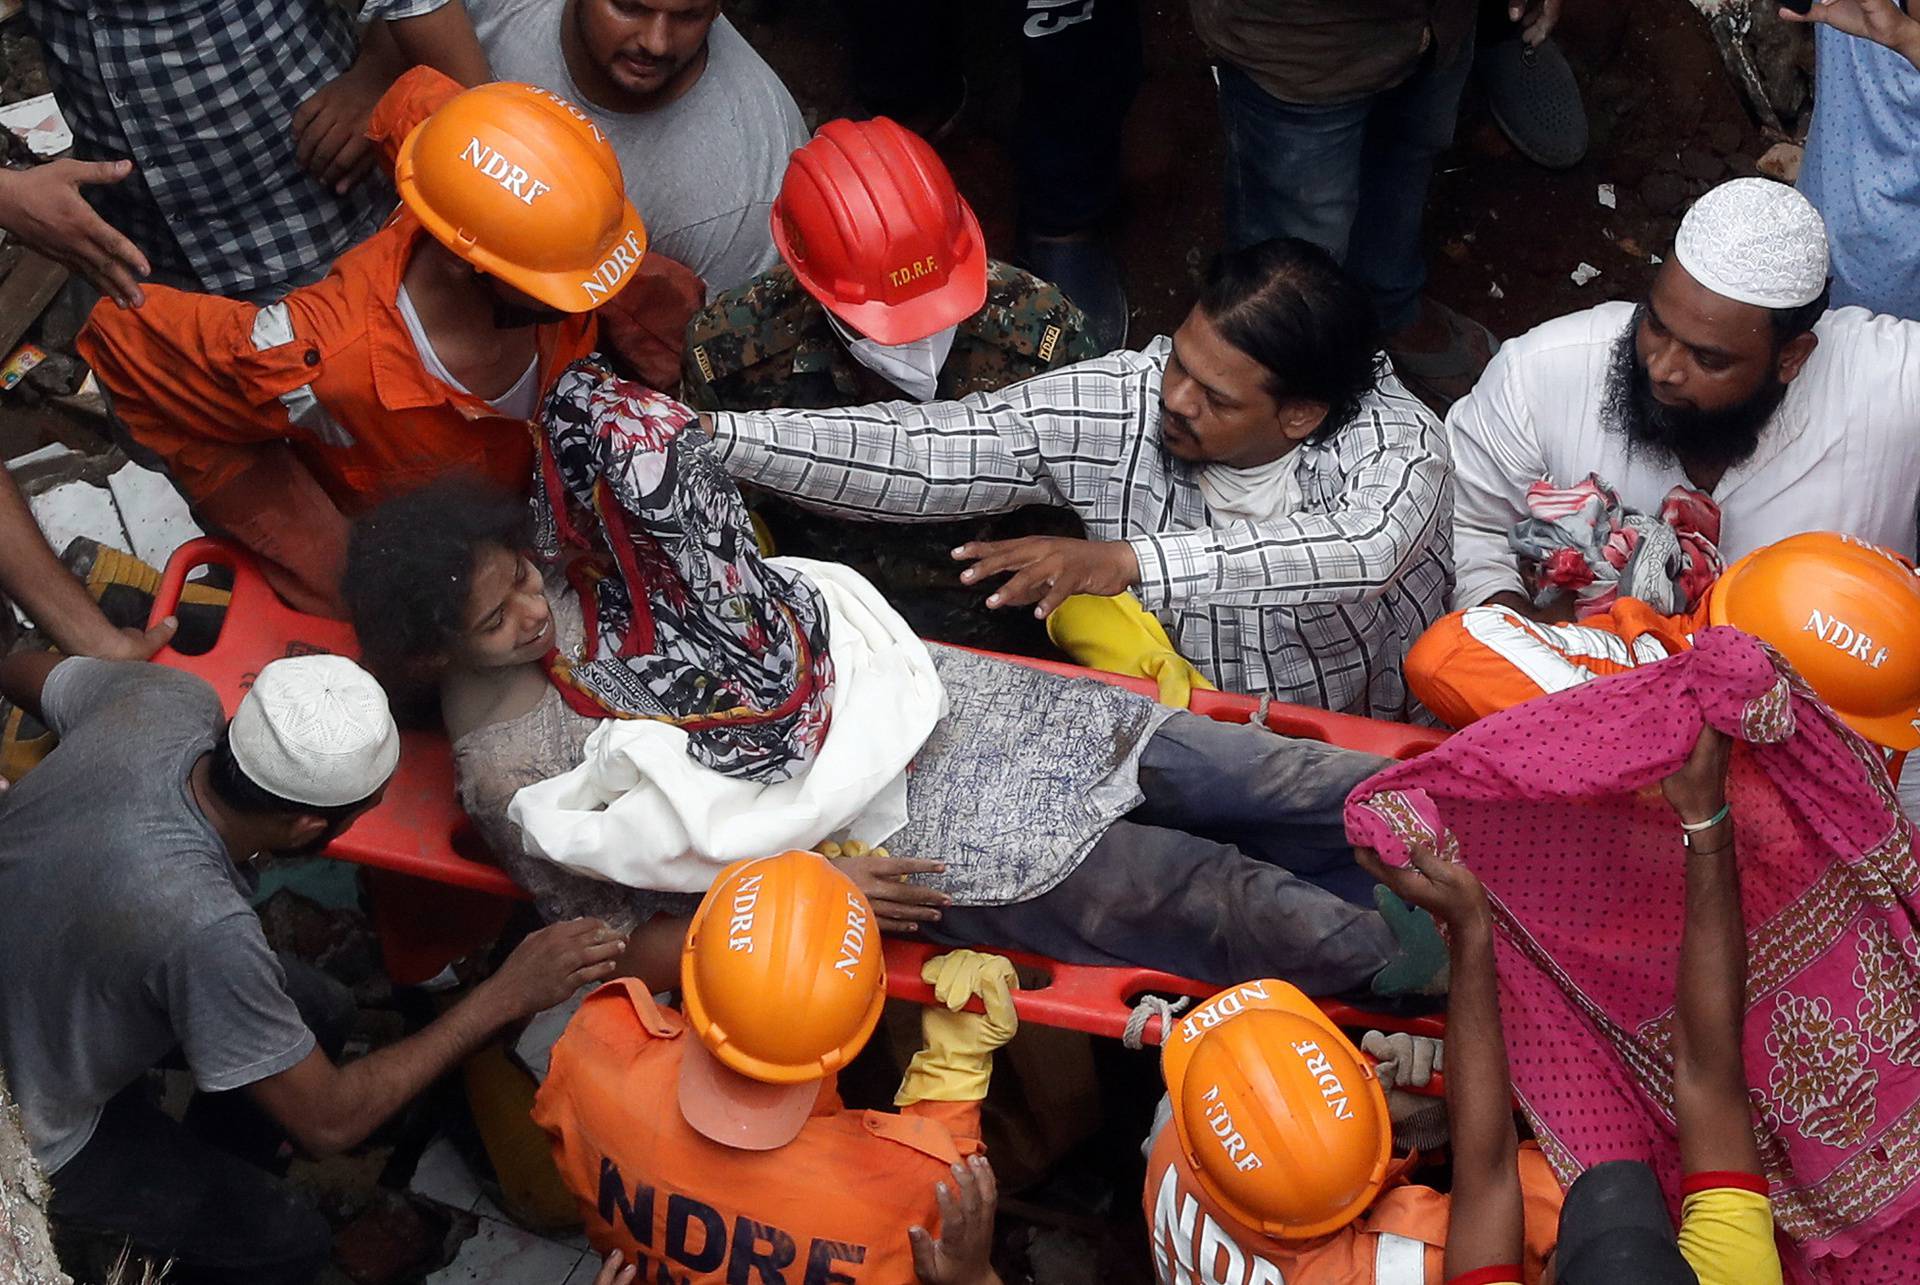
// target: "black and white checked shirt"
[[200, 95], [1317, 609]]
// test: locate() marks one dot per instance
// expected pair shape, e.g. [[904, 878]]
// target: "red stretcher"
[[436, 897]]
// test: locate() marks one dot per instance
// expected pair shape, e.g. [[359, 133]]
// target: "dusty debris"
[[1782, 162], [1606, 197], [39, 123], [25, 294], [340, 942], [26, 1245], [1663, 192], [1584, 273], [394, 1240]]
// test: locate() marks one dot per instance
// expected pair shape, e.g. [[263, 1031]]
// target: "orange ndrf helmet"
[[871, 224], [1281, 1118], [522, 185], [782, 968], [1847, 615]]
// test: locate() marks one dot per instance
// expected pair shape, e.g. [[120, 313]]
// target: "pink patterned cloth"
[[1585, 542], [1555, 804]]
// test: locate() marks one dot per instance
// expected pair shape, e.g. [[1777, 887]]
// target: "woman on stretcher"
[[636, 698]]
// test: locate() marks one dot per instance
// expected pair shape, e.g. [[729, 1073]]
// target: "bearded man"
[[1732, 377]]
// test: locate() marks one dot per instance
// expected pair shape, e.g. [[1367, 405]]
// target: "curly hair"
[[1288, 305], [410, 569]]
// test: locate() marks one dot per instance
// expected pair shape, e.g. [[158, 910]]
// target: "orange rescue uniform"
[[1400, 1240], [282, 422], [1485, 659], [832, 1207]]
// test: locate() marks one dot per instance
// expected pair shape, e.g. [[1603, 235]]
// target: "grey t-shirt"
[[124, 928], [704, 169]]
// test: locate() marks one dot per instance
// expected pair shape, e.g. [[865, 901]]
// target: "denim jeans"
[[1234, 866], [1350, 177], [198, 1192]]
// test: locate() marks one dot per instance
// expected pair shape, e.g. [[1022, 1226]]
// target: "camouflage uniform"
[[768, 345]]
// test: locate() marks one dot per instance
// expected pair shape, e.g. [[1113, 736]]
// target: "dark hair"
[[242, 793], [410, 571], [1790, 323], [1287, 304]]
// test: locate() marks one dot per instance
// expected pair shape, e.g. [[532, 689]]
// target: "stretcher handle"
[[203, 551], [1099, 999]]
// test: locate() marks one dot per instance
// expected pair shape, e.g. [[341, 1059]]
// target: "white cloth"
[[640, 812], [912, 367], [1264, 494], [316, 730], [1755, 241], [1841, 454]]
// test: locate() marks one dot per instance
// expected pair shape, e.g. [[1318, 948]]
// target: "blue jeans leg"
[[1291, 169], [1279, 799], [1408, 127], [1168, 899]]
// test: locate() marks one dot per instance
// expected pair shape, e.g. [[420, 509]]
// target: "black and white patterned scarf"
[[685, 622]]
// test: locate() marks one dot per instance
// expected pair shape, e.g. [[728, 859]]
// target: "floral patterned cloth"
[[686, 623], [1585, 542], [1555, 804]]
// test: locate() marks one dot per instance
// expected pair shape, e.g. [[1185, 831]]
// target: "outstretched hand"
[[961, 1254], [1049, 569], [330, 139], [138, 644], [1880, 21], [551, 964], [44, 209], [617, 1271], [898, 905], [1698, 787], [1446, 890]]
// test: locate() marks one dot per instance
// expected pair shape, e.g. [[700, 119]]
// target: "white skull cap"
[[316, 730], [1755, 241]]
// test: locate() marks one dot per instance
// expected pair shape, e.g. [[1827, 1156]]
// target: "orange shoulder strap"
[[920, 1133], [662, 1024]]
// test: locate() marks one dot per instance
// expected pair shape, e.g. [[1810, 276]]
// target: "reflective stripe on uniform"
[[273, 328], [1542, 653], [1399, 1260]]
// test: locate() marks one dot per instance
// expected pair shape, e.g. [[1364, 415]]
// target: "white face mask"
[[913, 368], [1254, 494]]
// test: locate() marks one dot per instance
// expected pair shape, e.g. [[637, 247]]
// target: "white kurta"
[[1841, 454]]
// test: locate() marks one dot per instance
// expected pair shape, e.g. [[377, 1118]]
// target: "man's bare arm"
[[1709, 1072], [327, 1108], [32, 576]]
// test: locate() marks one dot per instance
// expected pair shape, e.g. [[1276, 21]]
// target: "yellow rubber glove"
[[1119, 635], [957, 1062]]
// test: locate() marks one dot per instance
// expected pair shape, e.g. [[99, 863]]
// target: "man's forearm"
[[1486, 1225], [443, 40], [1709, 1070], [371, 1089], [32, 576], [1479, 1103], [870, 463]]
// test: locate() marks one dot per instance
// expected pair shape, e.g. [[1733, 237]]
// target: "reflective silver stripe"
[[1399, 1260], [273, 328]]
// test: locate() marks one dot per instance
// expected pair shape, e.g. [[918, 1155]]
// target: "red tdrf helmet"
[[871, 224]]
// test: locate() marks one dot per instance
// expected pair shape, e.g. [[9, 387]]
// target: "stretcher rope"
[[1148, 1008]]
